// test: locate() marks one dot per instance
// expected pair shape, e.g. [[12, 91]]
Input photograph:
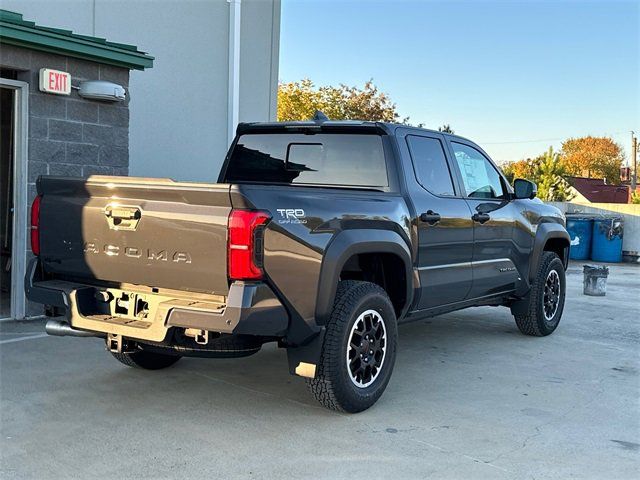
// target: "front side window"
[[480, 178], [320, 159], [430, 165]]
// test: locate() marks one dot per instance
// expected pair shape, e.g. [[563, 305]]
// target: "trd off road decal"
[[291, 215]]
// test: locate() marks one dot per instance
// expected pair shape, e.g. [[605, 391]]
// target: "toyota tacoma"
[[322, 236]]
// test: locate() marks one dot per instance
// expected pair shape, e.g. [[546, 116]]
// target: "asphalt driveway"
[[470, 397]]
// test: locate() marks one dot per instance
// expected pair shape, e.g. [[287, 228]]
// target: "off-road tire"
[[533, 321], [332, 385], [145, 359]]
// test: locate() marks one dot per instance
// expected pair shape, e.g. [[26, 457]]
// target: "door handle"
[[430, 217], [480, 217]]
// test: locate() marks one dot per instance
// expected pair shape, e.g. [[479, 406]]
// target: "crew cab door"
[[445, 228], [494, 217]]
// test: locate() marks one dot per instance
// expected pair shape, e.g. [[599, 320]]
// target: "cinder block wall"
[[69, 135]]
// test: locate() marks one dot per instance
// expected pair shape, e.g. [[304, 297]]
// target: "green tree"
[[300, 100], [551, 186], [446, 128], [546, 171]]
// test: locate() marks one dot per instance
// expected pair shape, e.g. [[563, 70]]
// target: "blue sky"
[[514, 76]]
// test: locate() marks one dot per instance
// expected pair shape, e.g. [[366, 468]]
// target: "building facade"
[[207, 52], [216, 64], [50, 126]]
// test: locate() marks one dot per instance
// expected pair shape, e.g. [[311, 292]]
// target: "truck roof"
[[383, 127]]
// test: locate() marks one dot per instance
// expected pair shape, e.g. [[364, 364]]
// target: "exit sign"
[[55, 81]]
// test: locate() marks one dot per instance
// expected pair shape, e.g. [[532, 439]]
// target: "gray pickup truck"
[[321, 236]]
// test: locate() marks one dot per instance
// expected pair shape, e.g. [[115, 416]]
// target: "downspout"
[[233, 107], [275, 61]]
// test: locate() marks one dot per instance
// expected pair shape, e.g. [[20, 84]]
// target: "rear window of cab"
[[336, 159]]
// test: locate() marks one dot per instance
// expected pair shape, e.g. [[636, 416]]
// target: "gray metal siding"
[[178, 108]]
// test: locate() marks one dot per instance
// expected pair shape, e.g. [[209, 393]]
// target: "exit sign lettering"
[[55, 81]]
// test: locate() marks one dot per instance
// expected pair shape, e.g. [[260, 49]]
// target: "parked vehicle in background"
[[321, 236]]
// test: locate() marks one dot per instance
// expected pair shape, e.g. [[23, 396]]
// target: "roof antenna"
[[319, 117]]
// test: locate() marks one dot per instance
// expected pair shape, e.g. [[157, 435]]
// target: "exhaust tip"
[[60, 328]]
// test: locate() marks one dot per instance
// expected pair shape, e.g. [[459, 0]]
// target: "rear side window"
[[430, 165], [319, 159]]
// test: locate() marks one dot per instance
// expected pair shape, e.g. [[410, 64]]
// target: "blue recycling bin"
[[580, 230], [606, 245]]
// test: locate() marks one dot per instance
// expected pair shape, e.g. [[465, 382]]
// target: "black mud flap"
[[521, 306], [303, 359]]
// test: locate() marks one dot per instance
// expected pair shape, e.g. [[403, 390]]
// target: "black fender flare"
[[352, 242], [544, 233]]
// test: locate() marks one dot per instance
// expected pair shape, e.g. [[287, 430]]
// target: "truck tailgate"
[[153, 232]]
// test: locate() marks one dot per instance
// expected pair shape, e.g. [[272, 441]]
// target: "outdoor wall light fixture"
[[102, 90]]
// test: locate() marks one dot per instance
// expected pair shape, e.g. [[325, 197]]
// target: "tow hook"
[[117, 344], [104, 296], [201, 337]]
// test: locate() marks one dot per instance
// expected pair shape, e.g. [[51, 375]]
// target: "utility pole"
[[634, 162]]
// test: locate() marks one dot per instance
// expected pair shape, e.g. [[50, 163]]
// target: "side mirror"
[[524, 188]]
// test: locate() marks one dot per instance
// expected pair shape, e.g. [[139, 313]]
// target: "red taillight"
[[35, 225], [243, 245]]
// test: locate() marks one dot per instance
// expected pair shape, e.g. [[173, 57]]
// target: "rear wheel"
[[359, 350], [546, 300], [145, 359]]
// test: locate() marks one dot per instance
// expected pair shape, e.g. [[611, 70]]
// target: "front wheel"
[[546, 299], [359, 349]]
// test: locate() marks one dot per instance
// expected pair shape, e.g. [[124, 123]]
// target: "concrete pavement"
[[470, 397]]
